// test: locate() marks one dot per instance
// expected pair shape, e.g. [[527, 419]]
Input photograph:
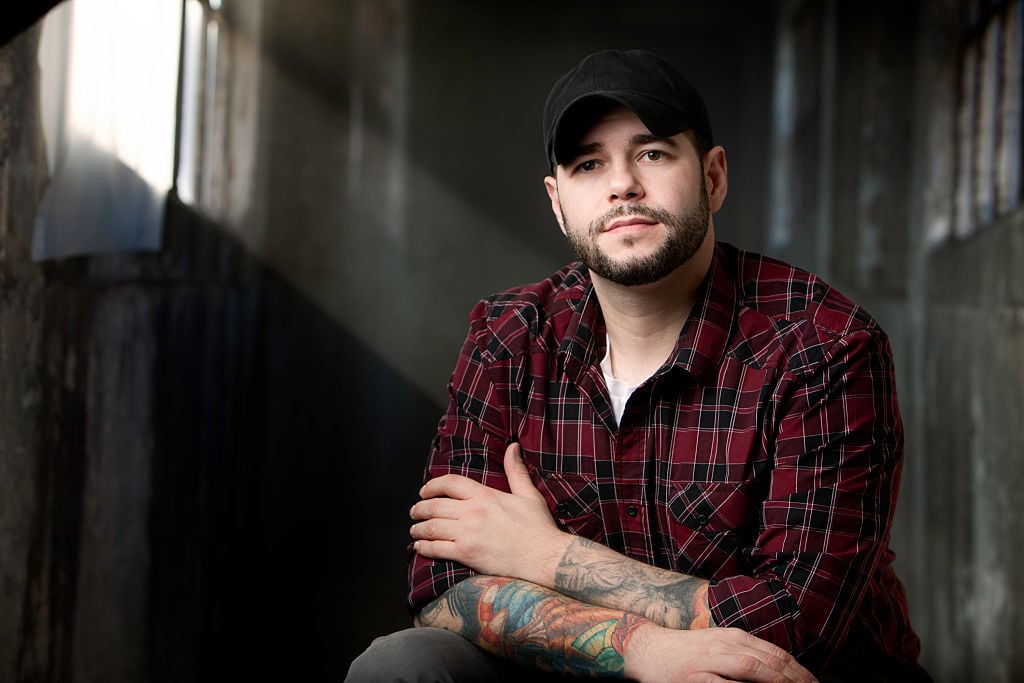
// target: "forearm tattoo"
[[535, 626], [589, 573]]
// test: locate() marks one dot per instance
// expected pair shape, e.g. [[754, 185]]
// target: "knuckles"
[[748, 664], [451, 485]]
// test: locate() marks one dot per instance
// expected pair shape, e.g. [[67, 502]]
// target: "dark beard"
[[686, 233]]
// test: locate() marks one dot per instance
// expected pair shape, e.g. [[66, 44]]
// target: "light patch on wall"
[[379, 97], [783, 124], [109, 86], [988, 129]]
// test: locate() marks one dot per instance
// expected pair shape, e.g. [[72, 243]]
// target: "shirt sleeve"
[[824, 528], [470, 441]]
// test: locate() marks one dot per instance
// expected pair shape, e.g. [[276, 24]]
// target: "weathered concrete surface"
[[30, 635], [975, 442], [185, 477], [111, 612], [954, 316]]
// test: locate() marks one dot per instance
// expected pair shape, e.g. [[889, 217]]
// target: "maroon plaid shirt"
[[764, 456]]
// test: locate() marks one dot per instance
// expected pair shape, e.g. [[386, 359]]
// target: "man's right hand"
[[656, 654]]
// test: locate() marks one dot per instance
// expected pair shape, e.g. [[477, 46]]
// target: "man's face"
[[632, 205]]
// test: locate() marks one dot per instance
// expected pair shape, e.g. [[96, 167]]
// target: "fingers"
[[774, 658], [518, 475], [751, 669], [713, 654], [430, 508], [451, 486], [435, 530], [437, 550], [436, 539], [754, 659]]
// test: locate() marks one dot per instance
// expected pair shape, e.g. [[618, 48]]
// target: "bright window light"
[[192, 62], [109, 99]]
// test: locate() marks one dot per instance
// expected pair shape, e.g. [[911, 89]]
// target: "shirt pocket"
[[713, 527], [573, 501]]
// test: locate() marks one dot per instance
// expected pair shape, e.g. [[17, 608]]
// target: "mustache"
[[631, 209]]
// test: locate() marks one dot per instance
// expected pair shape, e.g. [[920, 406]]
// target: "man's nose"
[[624, 184]]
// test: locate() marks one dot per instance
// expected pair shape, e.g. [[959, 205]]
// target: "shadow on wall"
[[209, 478], [287, 455]]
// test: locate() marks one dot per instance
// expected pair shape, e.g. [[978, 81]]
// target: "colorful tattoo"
[[702, 613], [535, 626], [588, 572]]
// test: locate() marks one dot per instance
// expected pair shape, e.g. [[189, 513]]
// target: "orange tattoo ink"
[[701, 610], [624, 631]]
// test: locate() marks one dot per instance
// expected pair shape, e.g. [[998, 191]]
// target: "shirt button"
[[562, 508], [702, 520], [631, 510]]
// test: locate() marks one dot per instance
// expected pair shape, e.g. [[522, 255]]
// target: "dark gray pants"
[[433, 655]]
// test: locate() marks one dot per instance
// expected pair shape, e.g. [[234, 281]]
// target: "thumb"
[[518, 476]]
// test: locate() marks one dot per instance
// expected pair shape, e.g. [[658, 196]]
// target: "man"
[[673, 460]]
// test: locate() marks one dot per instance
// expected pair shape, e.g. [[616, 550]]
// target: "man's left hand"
[[493, 532]]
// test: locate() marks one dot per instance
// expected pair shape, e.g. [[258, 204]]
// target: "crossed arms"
[[563, 603]]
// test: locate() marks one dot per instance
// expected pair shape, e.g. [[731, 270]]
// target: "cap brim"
[[658, 116]]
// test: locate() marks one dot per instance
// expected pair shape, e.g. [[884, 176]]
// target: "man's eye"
[[654, 155], [587, 166]]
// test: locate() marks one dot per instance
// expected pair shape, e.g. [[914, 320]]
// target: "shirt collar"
[[702, 342], [582, 344], [705, 336]]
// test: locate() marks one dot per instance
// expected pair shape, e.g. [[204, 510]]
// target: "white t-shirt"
[[618, 390]]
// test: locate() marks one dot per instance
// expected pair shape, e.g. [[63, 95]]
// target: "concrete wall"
[[208, 452], [191, 454], [975, 447], [881, 225]]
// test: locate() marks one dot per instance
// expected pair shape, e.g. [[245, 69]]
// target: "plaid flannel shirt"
[[764, 455]]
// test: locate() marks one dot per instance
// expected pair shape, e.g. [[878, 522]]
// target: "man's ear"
[[716, 177], [551, 185]]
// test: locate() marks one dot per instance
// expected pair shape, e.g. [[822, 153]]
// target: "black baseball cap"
[[643, 82]]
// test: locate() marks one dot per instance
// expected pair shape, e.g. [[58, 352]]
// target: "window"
[[200, 122], [109, 76], [988, 162]]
